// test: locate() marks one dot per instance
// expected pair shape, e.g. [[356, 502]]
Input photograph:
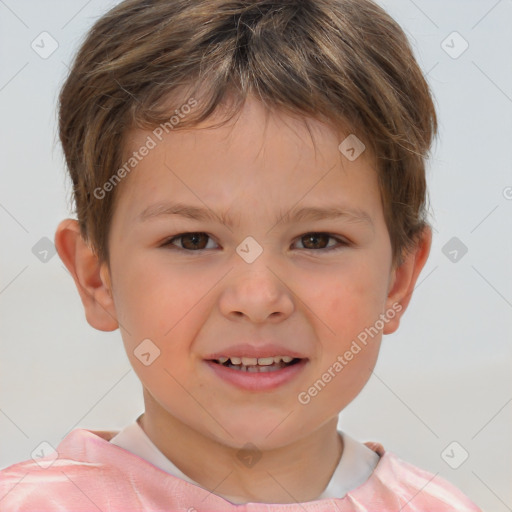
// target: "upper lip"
[[257, 351]]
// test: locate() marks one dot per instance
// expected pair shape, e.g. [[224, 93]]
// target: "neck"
[[298, 472]]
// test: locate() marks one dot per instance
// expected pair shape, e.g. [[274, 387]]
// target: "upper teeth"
[[251, 361]]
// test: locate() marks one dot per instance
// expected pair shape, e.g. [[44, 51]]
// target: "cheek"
[[353, 299], [154, 301], [158, 304]]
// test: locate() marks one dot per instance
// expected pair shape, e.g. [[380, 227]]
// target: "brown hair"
[[342, 61]]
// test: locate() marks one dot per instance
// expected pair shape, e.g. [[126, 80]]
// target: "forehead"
[[253, 124], [279, 157]]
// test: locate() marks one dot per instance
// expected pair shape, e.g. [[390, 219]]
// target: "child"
[[249, 181]]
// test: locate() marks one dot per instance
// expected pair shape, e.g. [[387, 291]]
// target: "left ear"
[[403, 279]]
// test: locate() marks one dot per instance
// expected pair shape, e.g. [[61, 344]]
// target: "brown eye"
[[315, 240], [190, 241], [320, 241], [194, 241]]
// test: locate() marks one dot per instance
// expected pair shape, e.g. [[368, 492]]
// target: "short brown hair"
[[342, 61]]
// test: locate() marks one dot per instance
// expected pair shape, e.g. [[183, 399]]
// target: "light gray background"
[[444, 376]]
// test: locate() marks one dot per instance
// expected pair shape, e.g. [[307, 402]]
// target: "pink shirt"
[[90, 474]]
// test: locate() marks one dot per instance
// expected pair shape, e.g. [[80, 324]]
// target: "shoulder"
[[63, 478], [28, 486], [402, 484], [90, 473]]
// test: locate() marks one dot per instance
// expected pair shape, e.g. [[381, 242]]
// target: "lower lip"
[[256, 381]]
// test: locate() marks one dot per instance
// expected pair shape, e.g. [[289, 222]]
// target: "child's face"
[[309, 300]]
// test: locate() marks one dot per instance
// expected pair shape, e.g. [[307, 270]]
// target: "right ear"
[[91, 277]]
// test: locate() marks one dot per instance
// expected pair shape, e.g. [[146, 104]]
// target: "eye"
[[319, 241], [189, 241], [198, 241]]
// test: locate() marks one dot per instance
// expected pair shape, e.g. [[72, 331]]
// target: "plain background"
[[445, 376]]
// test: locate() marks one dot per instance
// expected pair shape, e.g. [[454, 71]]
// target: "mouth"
[[257, 374], [257, 365]]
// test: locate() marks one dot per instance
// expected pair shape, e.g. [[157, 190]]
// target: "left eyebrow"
[[311, 213]]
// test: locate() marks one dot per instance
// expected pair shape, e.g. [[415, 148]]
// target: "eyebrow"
[[310, 213]]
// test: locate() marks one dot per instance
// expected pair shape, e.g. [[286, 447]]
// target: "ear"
[[403, 279], [92, 278]]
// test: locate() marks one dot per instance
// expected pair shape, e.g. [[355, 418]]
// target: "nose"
[[257, 293]]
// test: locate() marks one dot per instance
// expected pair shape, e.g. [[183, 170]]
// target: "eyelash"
[[342, 242]]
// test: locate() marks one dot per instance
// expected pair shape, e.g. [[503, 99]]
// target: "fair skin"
[[194, 302]]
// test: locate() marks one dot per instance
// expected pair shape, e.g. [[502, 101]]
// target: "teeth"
[[256, 368], [253, 361], [266, 361]]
